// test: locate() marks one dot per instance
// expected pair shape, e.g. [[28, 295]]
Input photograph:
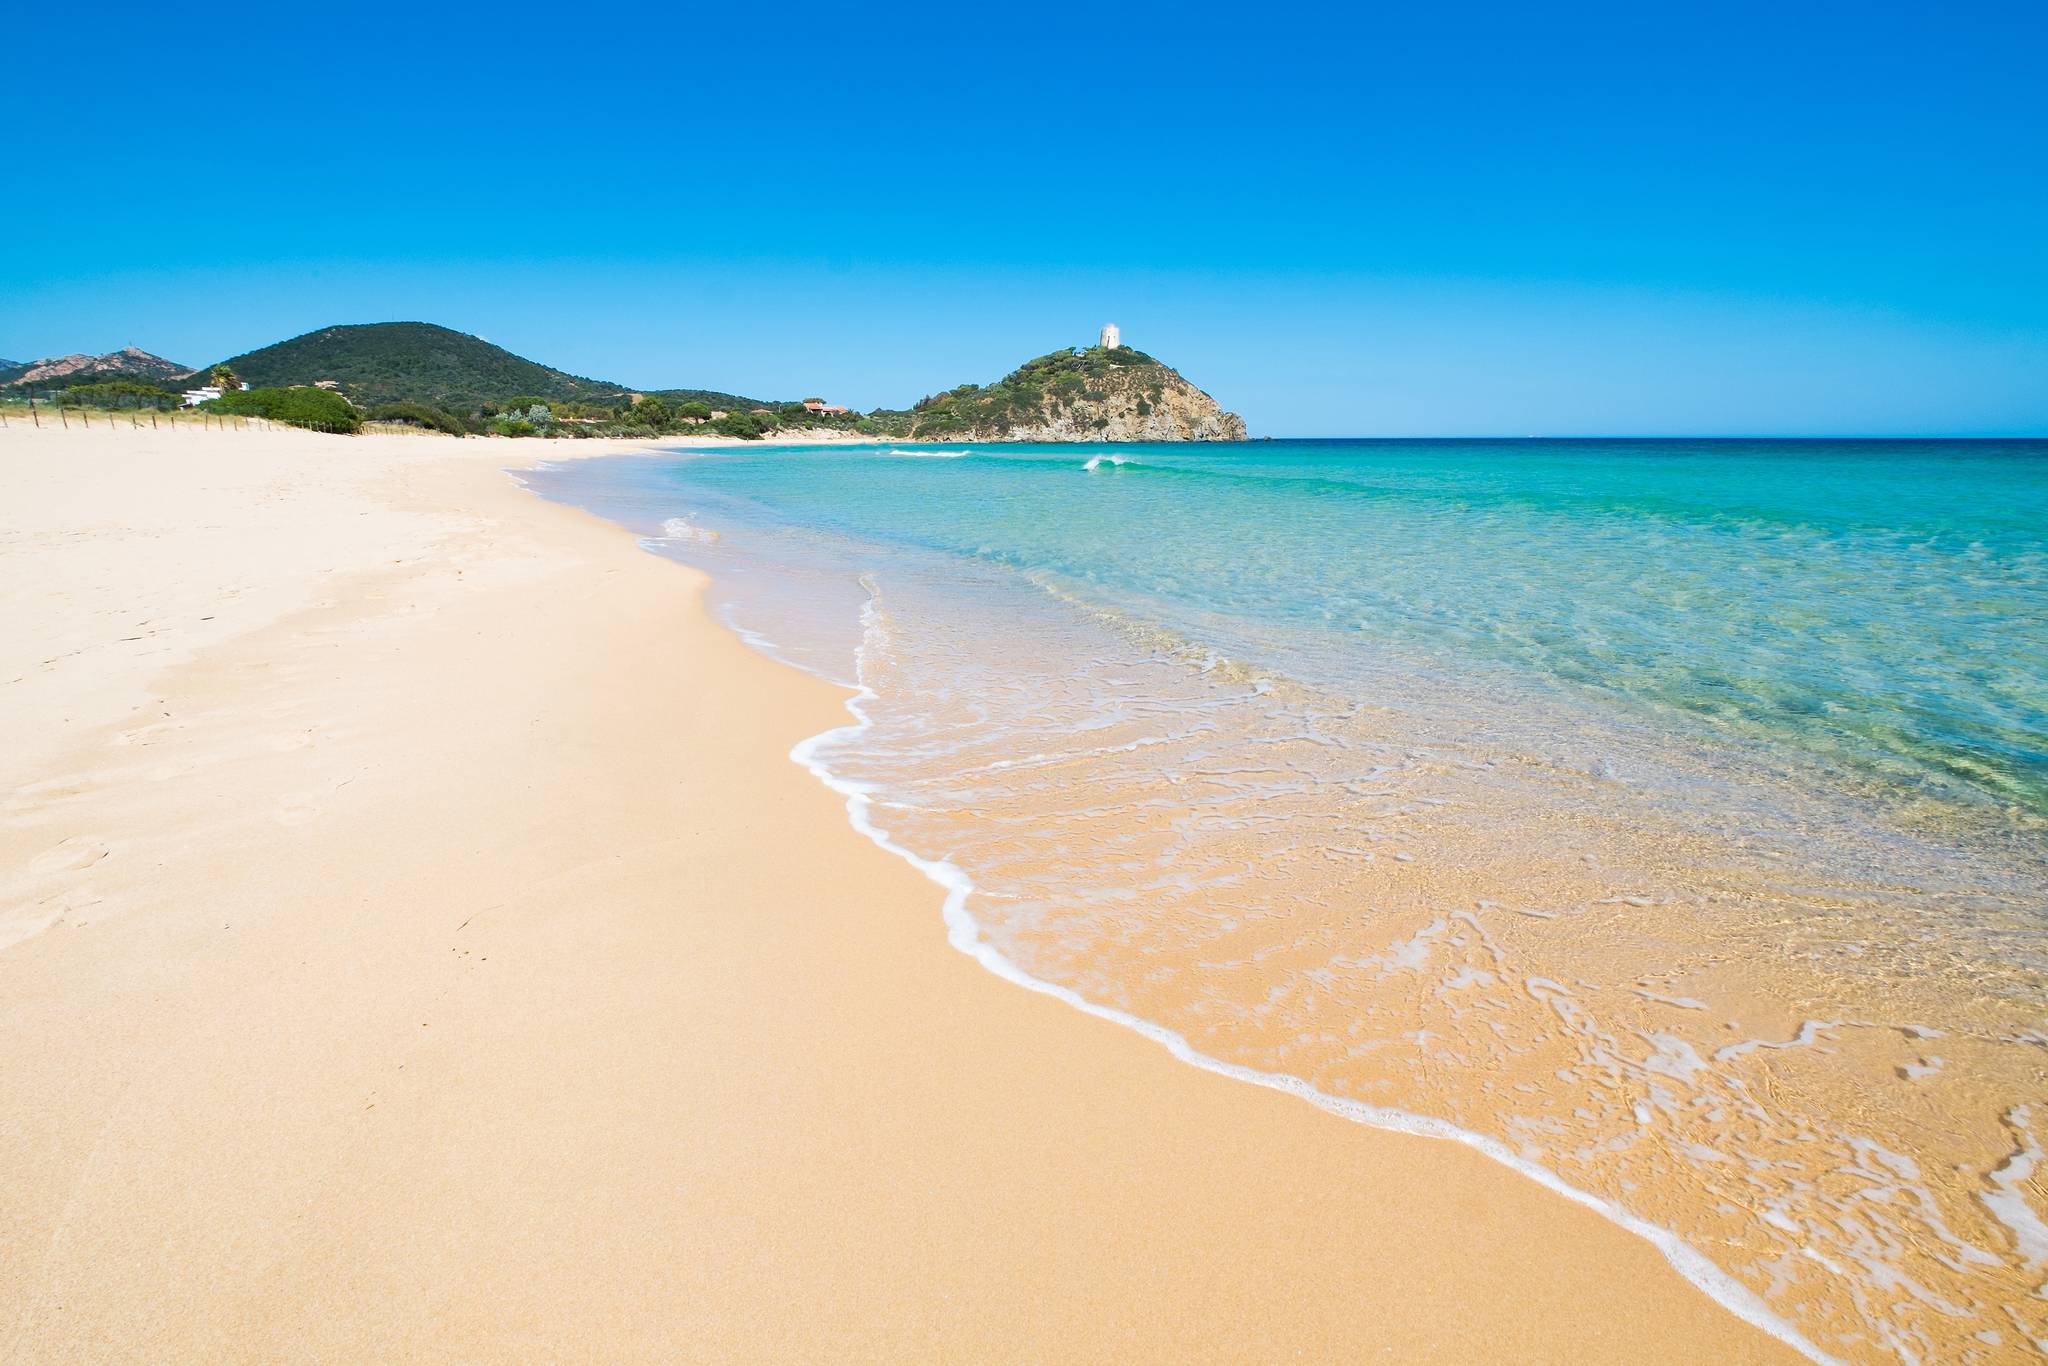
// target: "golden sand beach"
[[416, 945]]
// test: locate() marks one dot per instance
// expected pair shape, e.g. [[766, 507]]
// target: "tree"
[[652, 411], [695, 411], [224, 379]]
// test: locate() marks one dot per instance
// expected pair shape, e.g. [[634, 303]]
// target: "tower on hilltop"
[[1111, 338]]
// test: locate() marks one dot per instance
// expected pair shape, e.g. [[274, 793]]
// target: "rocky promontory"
[[1102, 393]]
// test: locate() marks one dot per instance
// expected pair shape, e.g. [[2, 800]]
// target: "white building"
[[204, 394], [1111, 338]]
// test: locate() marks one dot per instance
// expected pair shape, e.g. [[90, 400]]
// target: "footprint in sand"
[[72, 855], [296, 812]]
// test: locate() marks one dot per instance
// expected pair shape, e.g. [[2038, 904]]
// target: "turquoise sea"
[[1671, 815]]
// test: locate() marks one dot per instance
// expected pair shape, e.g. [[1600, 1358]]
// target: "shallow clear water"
[[1672, 813]]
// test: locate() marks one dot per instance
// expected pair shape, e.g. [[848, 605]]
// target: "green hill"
[[732, 403], [373, 364], [378, 363]]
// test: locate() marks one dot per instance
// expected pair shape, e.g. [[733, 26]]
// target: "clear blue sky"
[[1435, 219]]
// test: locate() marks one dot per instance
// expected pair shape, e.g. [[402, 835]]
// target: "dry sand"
[[418, 946]]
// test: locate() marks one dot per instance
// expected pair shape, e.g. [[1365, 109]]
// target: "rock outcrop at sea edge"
[[1100, 394]]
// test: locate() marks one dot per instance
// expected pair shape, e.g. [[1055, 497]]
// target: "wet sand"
[[416, 944]]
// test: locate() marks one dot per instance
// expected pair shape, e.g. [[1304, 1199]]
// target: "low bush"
[[420, 415], [743, 425], [121, 393], [315, 409]]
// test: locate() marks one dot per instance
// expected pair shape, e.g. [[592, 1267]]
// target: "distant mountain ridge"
[[130, 362], [456, 381], [413, 362]]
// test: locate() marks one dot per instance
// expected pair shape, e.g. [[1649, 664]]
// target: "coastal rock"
[[1100, 394]]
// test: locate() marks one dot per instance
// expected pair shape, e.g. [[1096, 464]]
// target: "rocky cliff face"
[[1132, 403], [1092, 395]]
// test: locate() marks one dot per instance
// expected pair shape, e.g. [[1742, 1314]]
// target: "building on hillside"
[[1111, 338], [207, 392], [824, 409]]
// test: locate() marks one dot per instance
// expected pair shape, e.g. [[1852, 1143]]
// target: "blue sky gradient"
[[1475, 219]]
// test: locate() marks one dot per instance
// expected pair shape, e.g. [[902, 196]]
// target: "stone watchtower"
[[1111, 338]]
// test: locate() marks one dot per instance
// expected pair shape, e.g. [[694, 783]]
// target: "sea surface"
[[1666, 818]]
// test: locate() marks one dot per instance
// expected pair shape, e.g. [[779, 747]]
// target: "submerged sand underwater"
[[1666, 832]]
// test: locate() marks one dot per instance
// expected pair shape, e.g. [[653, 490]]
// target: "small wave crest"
[[926, 455], [683, 529], [1096, 461]]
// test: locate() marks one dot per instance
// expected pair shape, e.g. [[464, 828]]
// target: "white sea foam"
[[683, 529], [1682, 1002], [1097, 461], [964, 934], [926, 455], [1809, 1034], [2008, 1203]]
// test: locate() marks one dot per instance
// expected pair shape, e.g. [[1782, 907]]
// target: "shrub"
[[315, 409], [419, 415], [743, 425], [120, 393]]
